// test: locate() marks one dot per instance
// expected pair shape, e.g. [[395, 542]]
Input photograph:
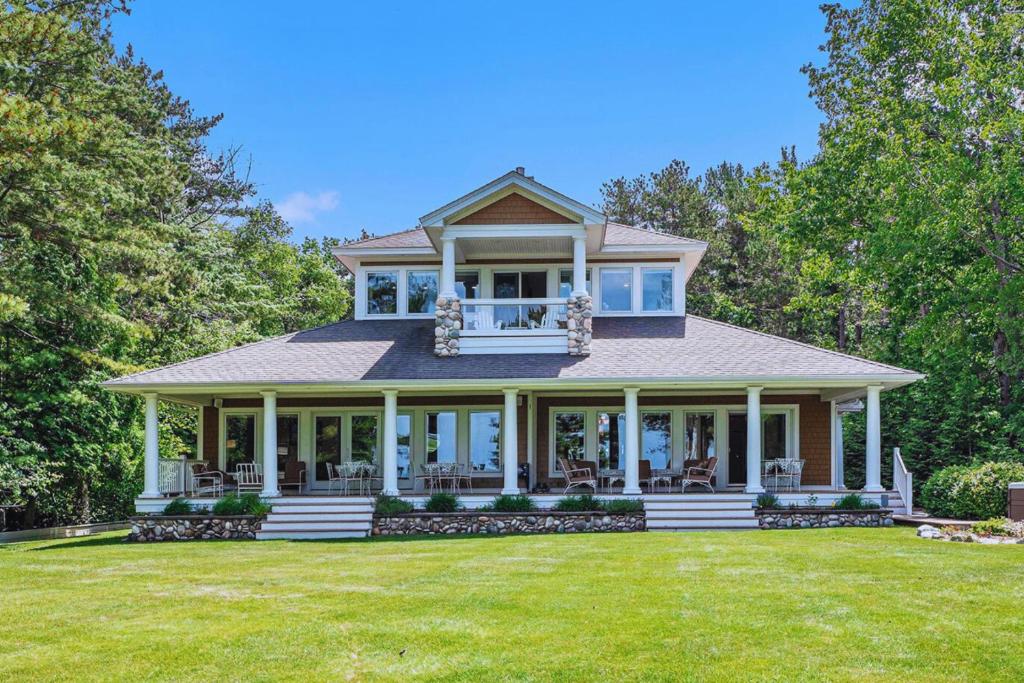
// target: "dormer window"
[[382, 293], [657, 289], [616, 290], [422, 291]]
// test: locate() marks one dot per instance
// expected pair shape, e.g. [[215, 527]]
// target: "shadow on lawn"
[[83, 542]]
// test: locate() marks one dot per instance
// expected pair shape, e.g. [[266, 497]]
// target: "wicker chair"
[[578, 473], [701, 475]]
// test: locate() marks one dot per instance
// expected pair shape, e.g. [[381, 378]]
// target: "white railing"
[[175, 475], [903, 481], [513, 317]]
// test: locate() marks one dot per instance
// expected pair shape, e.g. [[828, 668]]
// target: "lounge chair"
[[702, 475], [578, 473]]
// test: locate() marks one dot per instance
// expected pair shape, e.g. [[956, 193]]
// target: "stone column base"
[[447, 326]]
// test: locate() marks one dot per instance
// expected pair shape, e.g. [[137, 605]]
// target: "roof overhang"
[[350, 256]]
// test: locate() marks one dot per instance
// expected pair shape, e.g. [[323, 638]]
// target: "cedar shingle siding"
[[514, 209]]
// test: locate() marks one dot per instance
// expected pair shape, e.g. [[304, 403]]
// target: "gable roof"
[[412, 238], [631, 348], [617, 234]]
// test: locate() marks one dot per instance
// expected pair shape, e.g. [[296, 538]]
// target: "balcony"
[[514, 326]]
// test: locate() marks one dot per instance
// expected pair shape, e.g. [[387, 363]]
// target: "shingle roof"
[[629, 348], [416, 237], [617, 234]]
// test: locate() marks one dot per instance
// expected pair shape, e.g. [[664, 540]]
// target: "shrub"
[[970, 491], [583, 503], [854, 501], [623, 506], [246, 504], [443, 502], [992, 527], [768, 501], [230, 504], [178, 506], [392, 505], [517, 503]]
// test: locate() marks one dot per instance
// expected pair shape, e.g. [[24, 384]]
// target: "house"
[[512, 327]]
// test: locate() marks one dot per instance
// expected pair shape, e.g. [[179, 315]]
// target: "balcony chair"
[[578, 473], [294, 475], [248, 477], [483, 319], [205, 482], [702, 474]]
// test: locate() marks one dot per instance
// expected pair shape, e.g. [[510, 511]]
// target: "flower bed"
[[993, 531], [818, 518], [150, 528], [477, 522]]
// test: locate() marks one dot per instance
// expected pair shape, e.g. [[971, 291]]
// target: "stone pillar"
[[579, 320], [632, 473], [390, 464], [151, 464], [447, 326], [873, 446], [510, 443], [754, 440], [270, 487]]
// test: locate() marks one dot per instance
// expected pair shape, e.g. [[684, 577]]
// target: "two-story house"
[[512, 329]]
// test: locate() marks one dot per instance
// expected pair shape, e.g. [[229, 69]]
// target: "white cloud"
[[301, 207]]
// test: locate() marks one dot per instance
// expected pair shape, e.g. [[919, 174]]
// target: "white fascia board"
[[654, 248], [436, 218], [383, 251], [495, 231]]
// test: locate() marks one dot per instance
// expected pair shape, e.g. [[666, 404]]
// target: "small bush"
[[230, 504], [518, 503], [246, 504], [178, 506], [854, 501], [392, 505], [768, 501], [583, 503], [623, 506], [443, 502], [992, 527], [970, 491]]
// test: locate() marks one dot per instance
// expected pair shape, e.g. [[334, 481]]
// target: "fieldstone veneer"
[[540, 522], [807, 518], [447, 326], [151, 528], [580, 321]]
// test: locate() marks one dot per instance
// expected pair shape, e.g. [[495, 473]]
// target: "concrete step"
[[701, 523], [299, 535], [700, 514], [335, 509], [316, 526], [652, 505], [296, 517]]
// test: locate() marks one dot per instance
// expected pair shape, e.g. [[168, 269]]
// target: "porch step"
[[700, 524], [692, 512], [320, 517], [306, 535]]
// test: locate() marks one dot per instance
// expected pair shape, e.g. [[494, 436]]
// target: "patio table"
[[609, 478]]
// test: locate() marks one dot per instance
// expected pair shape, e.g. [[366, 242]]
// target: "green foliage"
[[517, 503], [998, 526], [391, 505], [245, 504], [582, 503], [442, 502], [623, 506], [971, 491], [178, 506], [768, 501], [854, 501]]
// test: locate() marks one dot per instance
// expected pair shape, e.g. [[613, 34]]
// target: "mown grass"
[[843, 604]]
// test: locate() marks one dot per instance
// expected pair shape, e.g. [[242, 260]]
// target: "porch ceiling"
[[515, 247]]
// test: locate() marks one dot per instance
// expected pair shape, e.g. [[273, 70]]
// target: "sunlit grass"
[[803, 605]]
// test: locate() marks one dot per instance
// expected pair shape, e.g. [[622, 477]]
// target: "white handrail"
[[171, 478], [903, 481]]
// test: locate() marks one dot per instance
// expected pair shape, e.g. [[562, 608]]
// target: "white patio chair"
[[791, 472], [205, 482], [248, 477], [334, 477], [483, 319]]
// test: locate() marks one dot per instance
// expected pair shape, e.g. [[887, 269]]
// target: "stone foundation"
[[579, 321], [146, 529], [540, 522], [814, 518], [447, 326]]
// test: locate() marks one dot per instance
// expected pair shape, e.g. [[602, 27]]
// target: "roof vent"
[[521, 170]]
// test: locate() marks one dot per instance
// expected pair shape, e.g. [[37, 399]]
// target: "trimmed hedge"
[[971, 491]]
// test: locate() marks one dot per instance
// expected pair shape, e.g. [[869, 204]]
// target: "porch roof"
[[630, 349]]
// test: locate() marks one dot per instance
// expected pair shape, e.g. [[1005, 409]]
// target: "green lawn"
[[800, 605]]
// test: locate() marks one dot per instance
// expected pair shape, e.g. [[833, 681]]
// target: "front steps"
[[700, 511], [318, 518]]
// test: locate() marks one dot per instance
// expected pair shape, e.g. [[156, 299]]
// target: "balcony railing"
[[513, 317]]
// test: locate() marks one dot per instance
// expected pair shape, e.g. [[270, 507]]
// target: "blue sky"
[[373, 114]]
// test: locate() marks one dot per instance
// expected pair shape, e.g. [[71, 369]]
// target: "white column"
[[754, 440], [579, 265], [840, 466], [632, 484], [447, 267], [151, 465], [510, 443], [270, 488], [390, 464], [873, 446]]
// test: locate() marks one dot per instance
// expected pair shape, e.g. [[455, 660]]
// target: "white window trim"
[[406, 273], [671, 274], [501, 441], [599, 286], [222, 456], [400, 287]]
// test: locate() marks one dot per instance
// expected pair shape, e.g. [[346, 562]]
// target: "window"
[[570, 436], [565, 282], [422, 291], [657, 289], [382, 293], [467, 284], [363, 439], [404, 446], [773, 436], [240, 440], [441, 437], [700, 436], [656, 439], [520, 285], [616, 289], [611, 441], [287, 440], [327, 438], [484, 441]]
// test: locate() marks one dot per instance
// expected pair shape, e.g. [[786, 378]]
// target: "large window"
[[656, 439], [611, 441], [363, 440], [442, 436], [773, 436], [287, 440], [327, 444], [404, 446], [382, 293], [570, 436], [565, 282], [484, 441], [467, 284], [616, 289], [240, 440], [422, 291], [700, 436], [657, 289]]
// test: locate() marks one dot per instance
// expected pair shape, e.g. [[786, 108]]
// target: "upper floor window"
[[382, 293], [565, 282], [657, 289], [467, 284], [617, 290], [422, 291]]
